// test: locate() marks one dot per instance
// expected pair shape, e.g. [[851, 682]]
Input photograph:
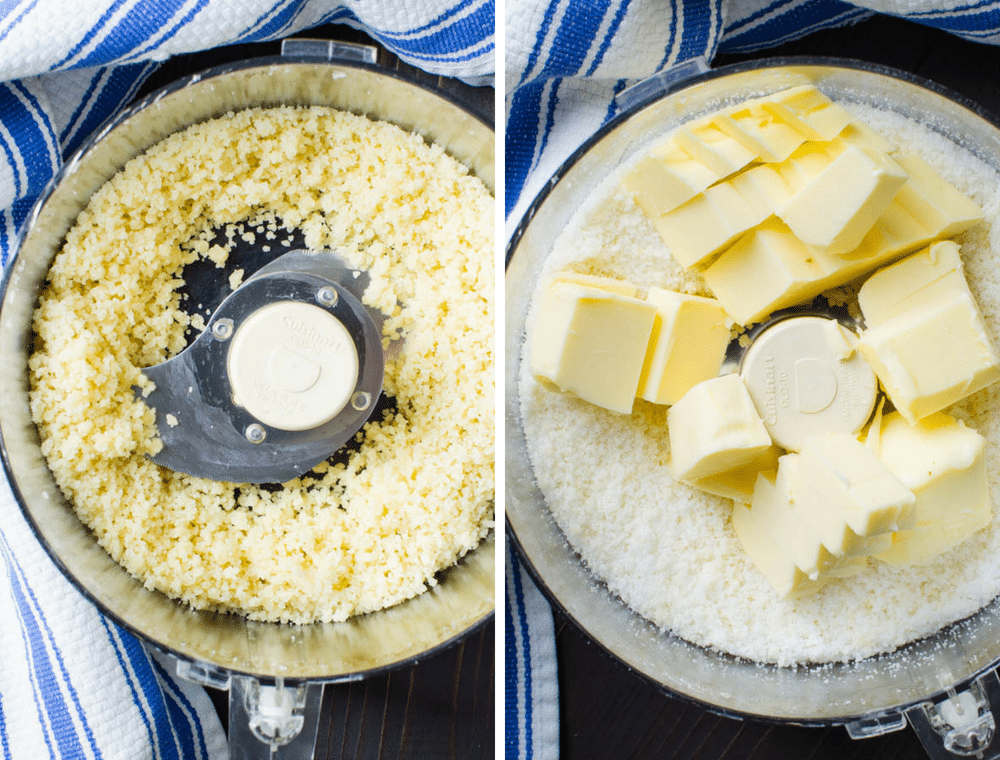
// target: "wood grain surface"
[[609, 712]]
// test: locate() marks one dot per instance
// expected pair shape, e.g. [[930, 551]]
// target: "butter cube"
[[738, 483], [913, 282], [592, 343], [697, 230], [776, 566], [714, 428], [688, 345], [780, 511], [712, 147], [934, 200], [608, 284], [768, 137], [800, 272], [850, 498], [841, 204], [766, 270], [808, 111], [943, 463], [666, 178], [928, 353]]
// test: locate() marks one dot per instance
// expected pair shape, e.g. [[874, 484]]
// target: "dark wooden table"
[[609, 712], [443, 707]]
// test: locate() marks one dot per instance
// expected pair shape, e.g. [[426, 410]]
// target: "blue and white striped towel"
[[73, 684], [565, 62]]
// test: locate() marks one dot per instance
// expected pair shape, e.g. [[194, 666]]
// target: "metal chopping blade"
[[287, 370]]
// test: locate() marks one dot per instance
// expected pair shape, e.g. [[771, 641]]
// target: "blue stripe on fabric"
[[153, 44], [574, 38], [129, 679], [114, 87], [550, 119], [464, 32], [4, 739], [979, 24], [453, 11], [11, 222], [697, 43], [536, 49], [18, 20], [616, 23], [151, 690], [82, 107], [668, 50], [12, 160], [511, 735], [476, 52], [184, 710], [32, 674], [612, 111], [758, 14], [522, 619], [94, 30], [52, 710], [273, 22], [67, 680], [949, 11], [40, 115], [32, 141], [519, 145], [809, 18]]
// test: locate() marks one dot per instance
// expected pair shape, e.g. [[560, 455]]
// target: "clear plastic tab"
[[331, 50], [866, 728], [961, 724], [661, 83]]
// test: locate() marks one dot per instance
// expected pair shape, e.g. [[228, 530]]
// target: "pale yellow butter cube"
[[776, 566], [942, 461], [808, 111], [768, 137], [912, 283], [932, 355], [714, 428], [934, 200], [712, 147], [697, 230], [738, 483], [688, 345], [666, 178], [592, 343], [777, 509], [782, 271], [848, 496], [608, 284], [838, 207], [766, 270]]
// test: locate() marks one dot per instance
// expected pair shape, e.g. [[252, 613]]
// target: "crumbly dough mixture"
[[355, 537], [669, 550]]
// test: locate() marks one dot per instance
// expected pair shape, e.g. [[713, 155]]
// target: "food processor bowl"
[[267, 663], [940, 685]]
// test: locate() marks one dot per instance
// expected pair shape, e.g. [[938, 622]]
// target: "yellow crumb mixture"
[[359, 536]]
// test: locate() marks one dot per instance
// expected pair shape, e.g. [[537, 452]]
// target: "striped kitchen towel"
[[565, 62], [67, 66], [72, 683], [531, 726]]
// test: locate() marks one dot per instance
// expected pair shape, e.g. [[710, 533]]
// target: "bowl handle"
[[957, 723], [276, 721]]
